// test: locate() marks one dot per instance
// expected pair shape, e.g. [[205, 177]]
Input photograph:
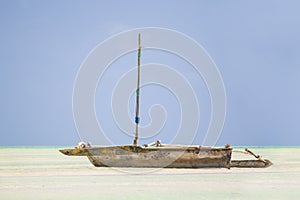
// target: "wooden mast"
[[137, 114]]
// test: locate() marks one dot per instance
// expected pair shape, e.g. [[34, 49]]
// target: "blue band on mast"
[[137, 120]]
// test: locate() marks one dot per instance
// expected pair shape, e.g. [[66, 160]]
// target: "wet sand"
[[44, 173]]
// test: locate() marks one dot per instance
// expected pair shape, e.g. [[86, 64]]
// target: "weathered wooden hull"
[[156, 157], [168, 156]]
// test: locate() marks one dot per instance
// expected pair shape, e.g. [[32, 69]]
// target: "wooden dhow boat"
[[159, 155], [168, 156]]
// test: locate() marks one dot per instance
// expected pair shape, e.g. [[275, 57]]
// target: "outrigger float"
[[157, 155]]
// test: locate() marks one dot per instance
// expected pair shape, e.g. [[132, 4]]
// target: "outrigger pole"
[[137, 114]]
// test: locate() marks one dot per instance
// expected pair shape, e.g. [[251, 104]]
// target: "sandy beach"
[[44, 173]]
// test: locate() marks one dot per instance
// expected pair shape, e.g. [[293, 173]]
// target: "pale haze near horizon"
[[254, 44]]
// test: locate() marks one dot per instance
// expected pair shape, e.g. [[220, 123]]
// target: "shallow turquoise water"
[[44, 173]]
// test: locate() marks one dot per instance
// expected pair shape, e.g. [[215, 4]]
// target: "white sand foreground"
[[44, 173]]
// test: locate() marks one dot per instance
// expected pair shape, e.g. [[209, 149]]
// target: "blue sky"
[[255, 44]]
